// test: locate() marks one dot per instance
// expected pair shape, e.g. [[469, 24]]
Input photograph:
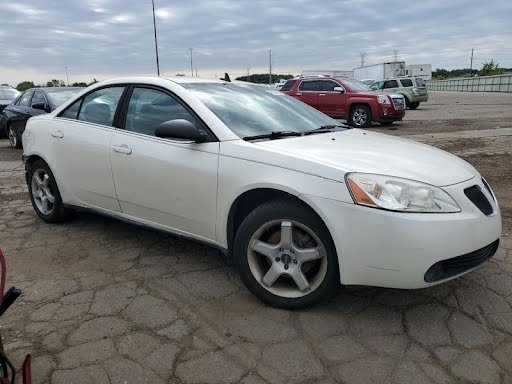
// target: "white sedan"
[[300, 202]]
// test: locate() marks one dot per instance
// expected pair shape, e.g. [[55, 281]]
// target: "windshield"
[[59, 96], [249, 110], [355, 85], [420, 82], [8, 93]]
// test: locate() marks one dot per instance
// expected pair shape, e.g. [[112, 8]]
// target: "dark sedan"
[[7, 95], [32, 102]]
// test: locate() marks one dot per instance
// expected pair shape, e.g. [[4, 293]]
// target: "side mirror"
[[42, 106], [339, 89], [180, 129]]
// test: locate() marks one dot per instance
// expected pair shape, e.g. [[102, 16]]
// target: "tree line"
[[262, 78], [488, 69], [24, 85]]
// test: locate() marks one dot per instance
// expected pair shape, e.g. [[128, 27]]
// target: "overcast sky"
[[106, 38]]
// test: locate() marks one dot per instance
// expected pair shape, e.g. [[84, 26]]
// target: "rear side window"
[[99, 107], [288, 85], [309, 86], [406, 82], [72, 111], [420, 82]]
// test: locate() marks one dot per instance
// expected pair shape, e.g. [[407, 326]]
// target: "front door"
[[170, 183], [331, 102], [308, 92]]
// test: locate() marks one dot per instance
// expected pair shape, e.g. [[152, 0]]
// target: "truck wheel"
[[285, 255], [414, 105], [361, 116]]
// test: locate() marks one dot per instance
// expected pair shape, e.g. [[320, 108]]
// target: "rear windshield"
[[8, 93], [288, 85], [420, 82], [406, 82]]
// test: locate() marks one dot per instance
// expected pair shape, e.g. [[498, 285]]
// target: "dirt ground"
[[109, 302]]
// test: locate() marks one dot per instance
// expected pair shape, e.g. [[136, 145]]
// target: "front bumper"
[[393, 249], [387, 113]]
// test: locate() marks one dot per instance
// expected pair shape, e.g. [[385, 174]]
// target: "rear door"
[[331, 102], [80, 146], [19, 113], [308, 92]]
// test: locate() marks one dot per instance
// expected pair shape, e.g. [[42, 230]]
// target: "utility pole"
[[248, 74], [156, 41], [395, 55], [67, 76], [196, 71], [191, 66], [471, 65], [362, 54], [270, 66]]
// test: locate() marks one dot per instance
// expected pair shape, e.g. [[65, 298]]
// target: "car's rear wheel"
[[414, 105], [14, 138], [44, 193], [285, 255], [361, 116]]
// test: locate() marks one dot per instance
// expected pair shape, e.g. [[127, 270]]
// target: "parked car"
[[7, 95], [367, 82], [347, 99], [33, 102], [414, 89], [299, 201]]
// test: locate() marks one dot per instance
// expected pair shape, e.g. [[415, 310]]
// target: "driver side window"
[[148, 108]]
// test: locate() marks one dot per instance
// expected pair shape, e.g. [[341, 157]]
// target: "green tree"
[[80, 84], [24, 85], [491, 68]]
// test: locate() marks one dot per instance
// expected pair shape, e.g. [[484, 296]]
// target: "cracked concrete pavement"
[[108, 302]]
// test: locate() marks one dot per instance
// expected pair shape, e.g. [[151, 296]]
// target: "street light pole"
[[191, 65], [156, 41], [67, 76]]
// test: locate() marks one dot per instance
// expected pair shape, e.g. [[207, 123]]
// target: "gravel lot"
[[108, 302]]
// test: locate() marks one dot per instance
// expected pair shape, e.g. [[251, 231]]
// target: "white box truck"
[[380, 71], [327, 72], [419, 70]]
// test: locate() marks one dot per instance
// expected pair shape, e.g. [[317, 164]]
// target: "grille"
[[457, 265], [478, 198], [398, 103]]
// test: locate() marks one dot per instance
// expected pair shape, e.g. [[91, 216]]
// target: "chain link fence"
[[498, 83]]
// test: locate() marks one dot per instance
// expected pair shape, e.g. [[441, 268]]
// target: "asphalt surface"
[[108, 302]]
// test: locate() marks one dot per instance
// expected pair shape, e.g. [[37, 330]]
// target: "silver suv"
[[414, 89]]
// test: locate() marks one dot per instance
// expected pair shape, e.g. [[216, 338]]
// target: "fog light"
[[385, 111]]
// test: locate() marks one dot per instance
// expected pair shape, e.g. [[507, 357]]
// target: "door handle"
[[299, 94], [122, 149], [57, 134], [321, 94]]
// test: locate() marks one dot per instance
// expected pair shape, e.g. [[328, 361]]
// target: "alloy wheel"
[[360, 117], [13, 139], [287, 258], [44, 197]]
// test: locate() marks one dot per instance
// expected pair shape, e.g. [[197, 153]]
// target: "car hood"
[[357, 150]]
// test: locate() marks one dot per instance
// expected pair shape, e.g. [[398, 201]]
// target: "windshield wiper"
[[326, 128], [274, 135]]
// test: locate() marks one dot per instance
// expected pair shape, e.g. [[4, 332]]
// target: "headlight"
[[415, 91], [383, 99], [397, 194]]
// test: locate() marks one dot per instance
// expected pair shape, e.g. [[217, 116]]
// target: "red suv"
[[347, 99]]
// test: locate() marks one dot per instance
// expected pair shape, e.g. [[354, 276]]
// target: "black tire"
[[58, 211], [361, 116], [14, 138], [279, 211], [414, 105]]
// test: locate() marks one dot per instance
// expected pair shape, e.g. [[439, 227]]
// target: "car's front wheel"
[[14, 138], [361, 116], [414, 105], [44, 193], [285, 255]]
